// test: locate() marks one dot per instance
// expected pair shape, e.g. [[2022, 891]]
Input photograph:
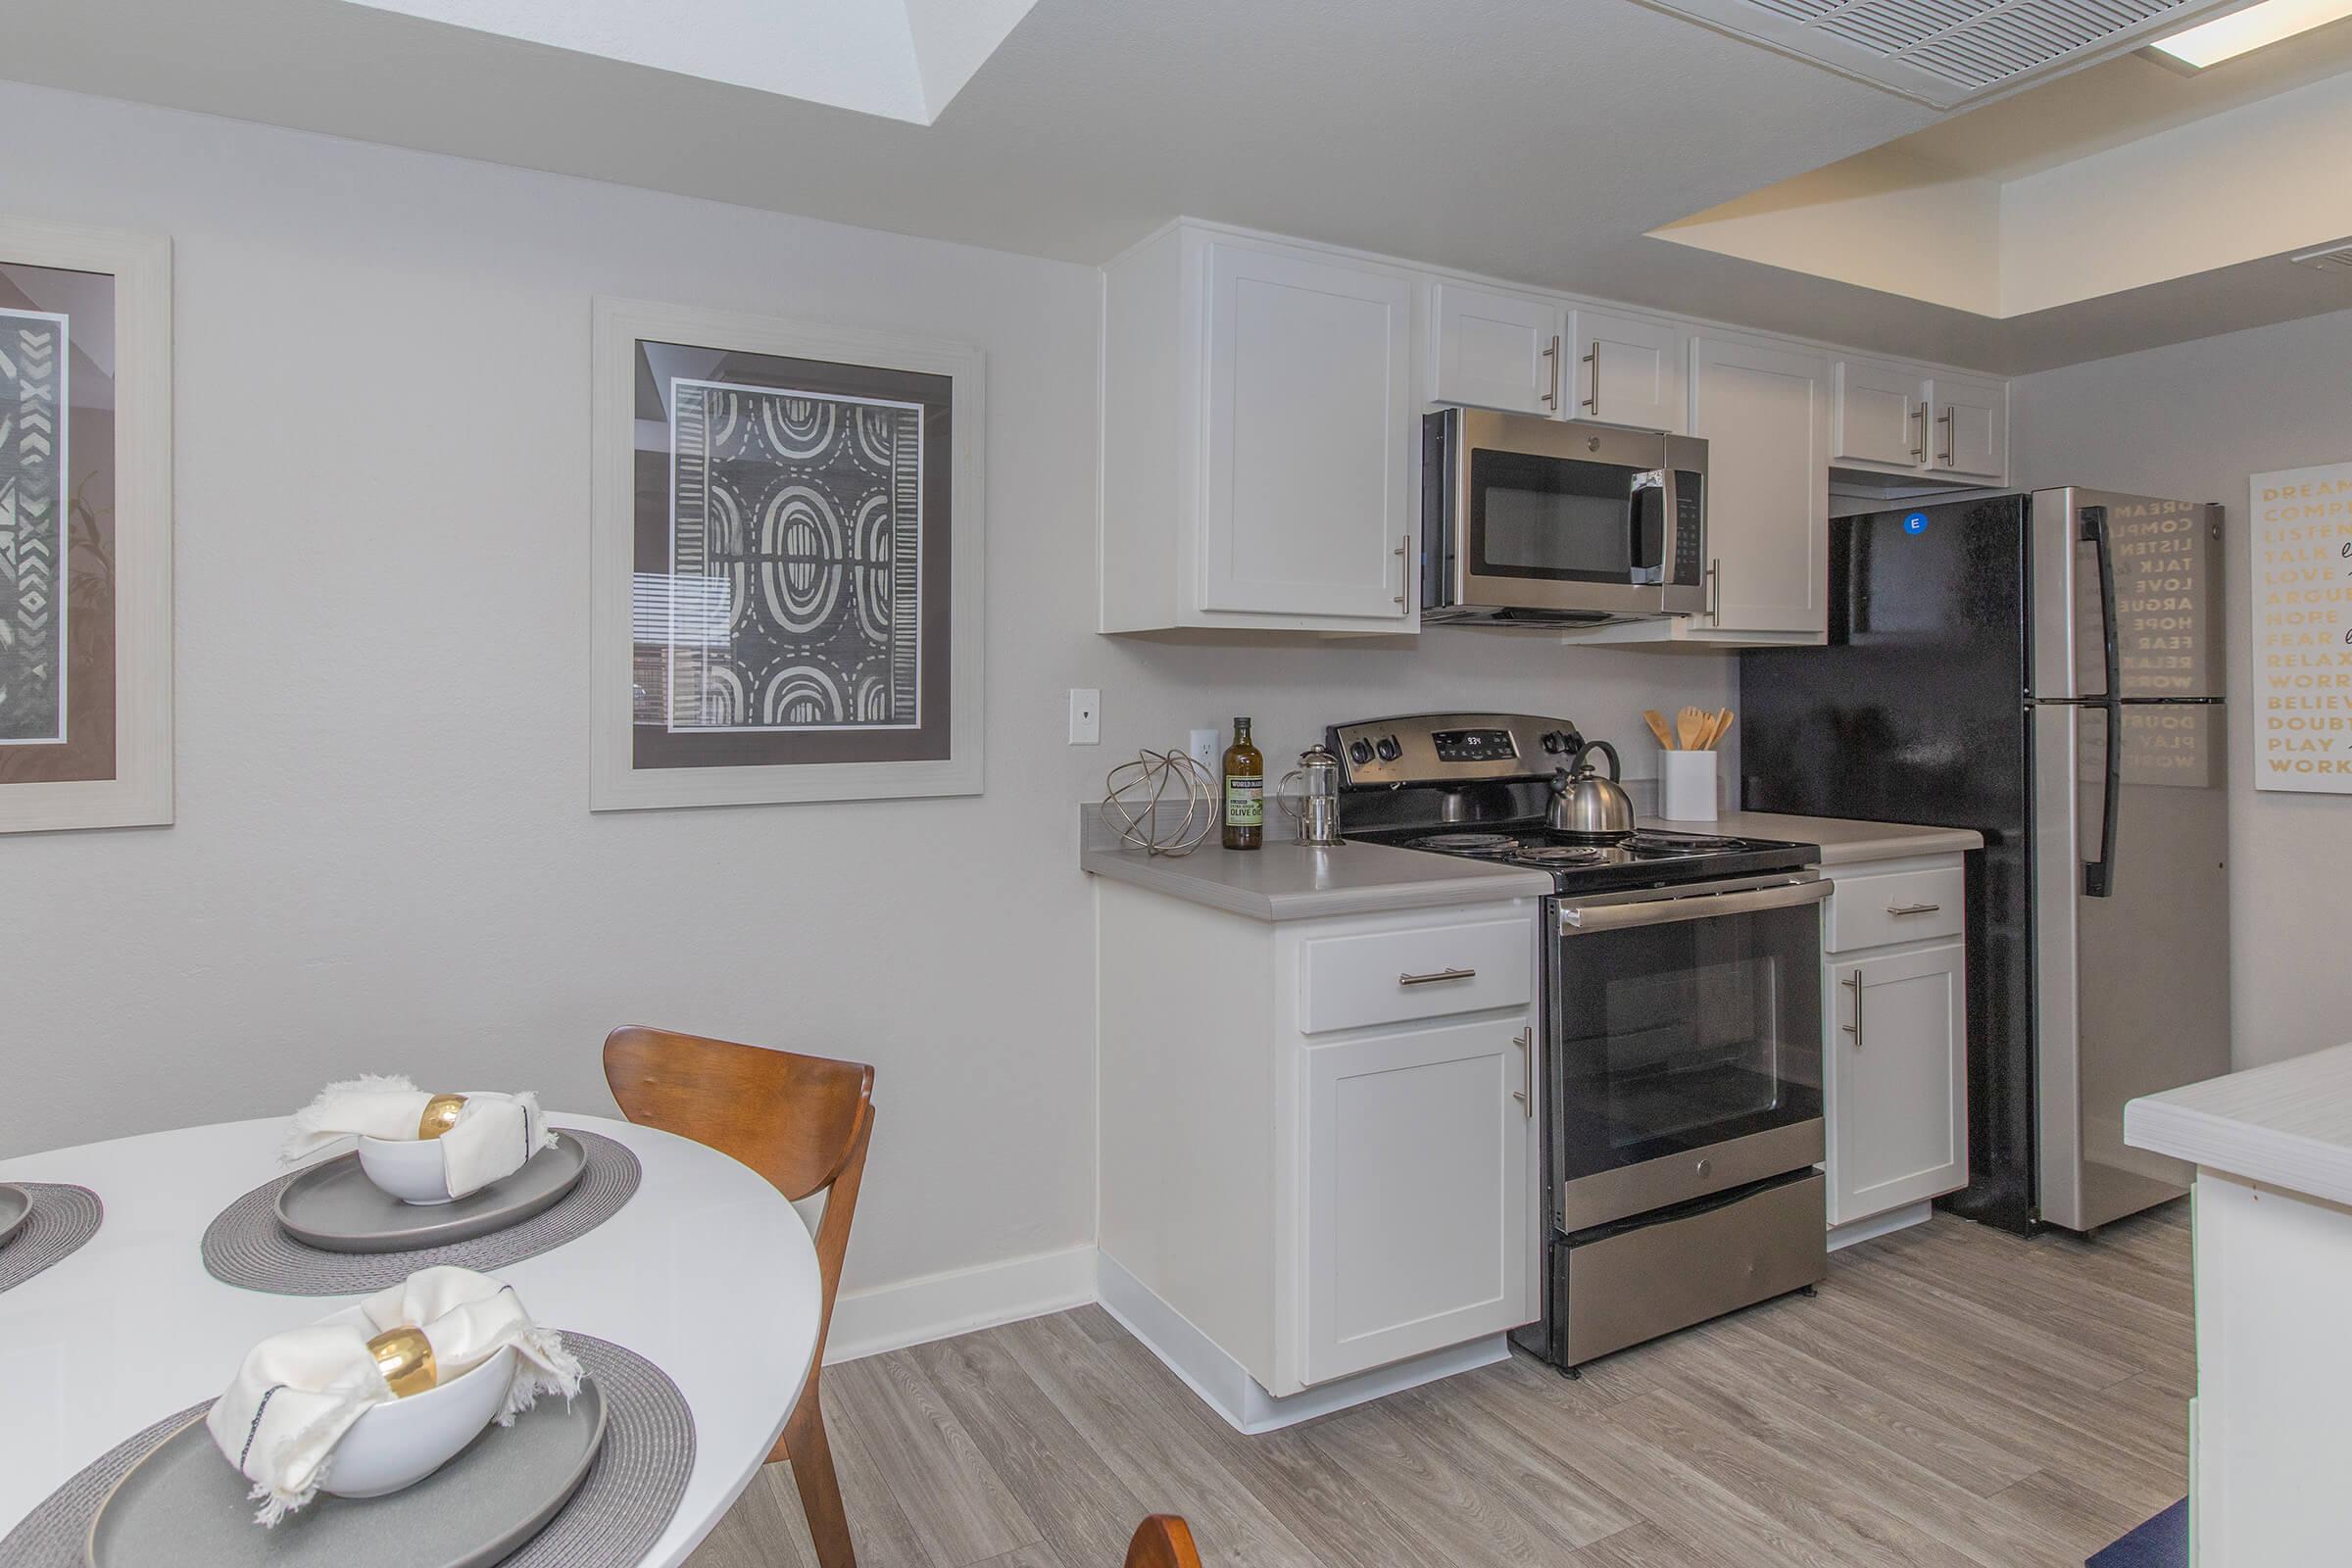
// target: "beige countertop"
[[1287, 881], [1842, 841]]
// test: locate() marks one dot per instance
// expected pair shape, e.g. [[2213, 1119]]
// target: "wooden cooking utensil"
[[1723, 727], [1657, 726], [1686, 726], [1706, 733]]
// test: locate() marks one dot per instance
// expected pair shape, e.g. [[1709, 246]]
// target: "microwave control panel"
[[1690, 509]]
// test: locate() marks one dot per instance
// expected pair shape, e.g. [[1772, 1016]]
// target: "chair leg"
[[811, 1455]]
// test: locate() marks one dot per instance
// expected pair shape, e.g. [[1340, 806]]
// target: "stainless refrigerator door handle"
[[1525, 1094], [1854, 1028], [2098, 876], [1433, 979], [1576, 919]]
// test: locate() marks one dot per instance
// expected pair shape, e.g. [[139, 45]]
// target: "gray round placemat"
[[63, 1218], [619, 1511], [245, 1246]]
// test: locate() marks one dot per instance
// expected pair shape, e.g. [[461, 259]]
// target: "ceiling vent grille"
[[2337, 259], [1946, 52]]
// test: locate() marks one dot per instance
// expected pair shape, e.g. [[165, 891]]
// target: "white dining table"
[[706, 1272]]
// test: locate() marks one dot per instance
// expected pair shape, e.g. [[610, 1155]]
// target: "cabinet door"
[[1898, 1081], [1879, 415], [1495, 351], [1764, 412], [1417, 1192], [1310, 423], [1628, 371], [1971, 434]]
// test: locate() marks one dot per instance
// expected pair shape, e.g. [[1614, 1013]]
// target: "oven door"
[[1684, 1036], [1572, 518]]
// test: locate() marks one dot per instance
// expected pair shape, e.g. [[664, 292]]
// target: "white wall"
[[2193, 421], [384, 858]]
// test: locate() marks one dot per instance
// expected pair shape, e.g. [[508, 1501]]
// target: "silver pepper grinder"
[[1317, 812]]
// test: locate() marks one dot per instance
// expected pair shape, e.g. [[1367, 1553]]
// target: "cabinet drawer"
[[1872, 912], [1427, 973]]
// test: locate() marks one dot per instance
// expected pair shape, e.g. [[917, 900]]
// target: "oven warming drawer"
[[1671, 1179], [1635, 1282]]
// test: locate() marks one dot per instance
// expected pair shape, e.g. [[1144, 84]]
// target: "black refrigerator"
[[2046, 669]]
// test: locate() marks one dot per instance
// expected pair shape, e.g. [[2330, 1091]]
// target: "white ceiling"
[[1529, 139]]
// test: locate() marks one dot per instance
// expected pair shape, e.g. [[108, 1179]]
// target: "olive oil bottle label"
[[1245, 802]]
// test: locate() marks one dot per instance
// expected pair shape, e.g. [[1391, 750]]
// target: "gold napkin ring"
[[440, 1116], [405, 1356]]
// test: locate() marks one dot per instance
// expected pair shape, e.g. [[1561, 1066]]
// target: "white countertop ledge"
[[2289, 1125]]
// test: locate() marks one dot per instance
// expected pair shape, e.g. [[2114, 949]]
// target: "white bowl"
[[398, 1444], [410, 1169]]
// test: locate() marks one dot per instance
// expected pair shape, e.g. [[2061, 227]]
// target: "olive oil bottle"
[[1245, 791]]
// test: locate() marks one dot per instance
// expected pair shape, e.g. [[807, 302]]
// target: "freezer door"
[[2131, 985], [2159, 565]]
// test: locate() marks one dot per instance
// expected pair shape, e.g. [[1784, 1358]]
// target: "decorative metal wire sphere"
[[1139, 801]]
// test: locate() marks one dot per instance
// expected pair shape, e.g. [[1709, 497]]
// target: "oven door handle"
[[1584, 919]]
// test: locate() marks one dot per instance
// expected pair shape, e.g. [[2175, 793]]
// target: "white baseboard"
[[1895, 1219], [1226, 1386], [940, 1306]]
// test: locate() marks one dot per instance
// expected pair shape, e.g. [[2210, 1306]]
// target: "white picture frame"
[[615, 782], [140, 793]]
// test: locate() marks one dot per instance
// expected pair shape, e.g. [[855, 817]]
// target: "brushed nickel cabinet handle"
[[1593, 379], [1918, 448], [1404, 568], [1912, 909], [1854, 1028], [1951, 439], [1551, 398], [1715, 589], [1525, 1094], [1433, 979]]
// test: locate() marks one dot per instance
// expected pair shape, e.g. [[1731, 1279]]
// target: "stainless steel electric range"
[[1681, 1022]]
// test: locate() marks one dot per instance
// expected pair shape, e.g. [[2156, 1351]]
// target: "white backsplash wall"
[[384, 859], [2194, 420]]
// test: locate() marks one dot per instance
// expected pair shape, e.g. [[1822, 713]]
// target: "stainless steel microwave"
[[1530, 520]]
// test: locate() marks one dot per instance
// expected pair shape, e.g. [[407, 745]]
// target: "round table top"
[[706, 1272]]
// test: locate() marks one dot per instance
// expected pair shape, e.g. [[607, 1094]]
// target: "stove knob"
[[1359, 752], [1389, 750], [1555, 742]]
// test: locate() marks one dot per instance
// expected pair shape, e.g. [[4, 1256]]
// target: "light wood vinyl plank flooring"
[[1954, 1397]]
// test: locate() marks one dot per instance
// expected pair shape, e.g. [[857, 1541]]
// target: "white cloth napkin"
[[298, 1393], [494, 1134]]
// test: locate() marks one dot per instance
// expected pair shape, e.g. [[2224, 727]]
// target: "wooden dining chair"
[[1162, 1541], [804, 1123]]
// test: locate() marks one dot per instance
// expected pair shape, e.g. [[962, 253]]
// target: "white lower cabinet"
[[1318, 1144], [1895, 1063], [1416, 1192]]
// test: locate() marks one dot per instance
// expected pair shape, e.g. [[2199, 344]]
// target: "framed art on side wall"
[[86, 527], [789, 529]]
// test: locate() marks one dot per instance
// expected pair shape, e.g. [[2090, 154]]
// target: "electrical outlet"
[[1086, 716]]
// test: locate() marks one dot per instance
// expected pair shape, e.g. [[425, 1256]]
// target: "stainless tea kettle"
[[1583, 802]]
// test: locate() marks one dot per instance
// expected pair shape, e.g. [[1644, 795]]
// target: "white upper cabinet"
[[1495, 351], [1629, 370], [1879, 414], [1259, 438], [1971, 427], [1908, 420], [1764, 412]]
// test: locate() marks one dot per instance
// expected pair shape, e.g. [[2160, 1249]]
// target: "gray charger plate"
[[336, 1208], [181, 1505], [16, 1208]]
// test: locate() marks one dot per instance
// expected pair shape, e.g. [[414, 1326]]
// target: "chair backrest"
[[796, 1120], [1162, 1541]]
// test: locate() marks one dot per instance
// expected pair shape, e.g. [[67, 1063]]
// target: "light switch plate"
[[1086, 716]]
